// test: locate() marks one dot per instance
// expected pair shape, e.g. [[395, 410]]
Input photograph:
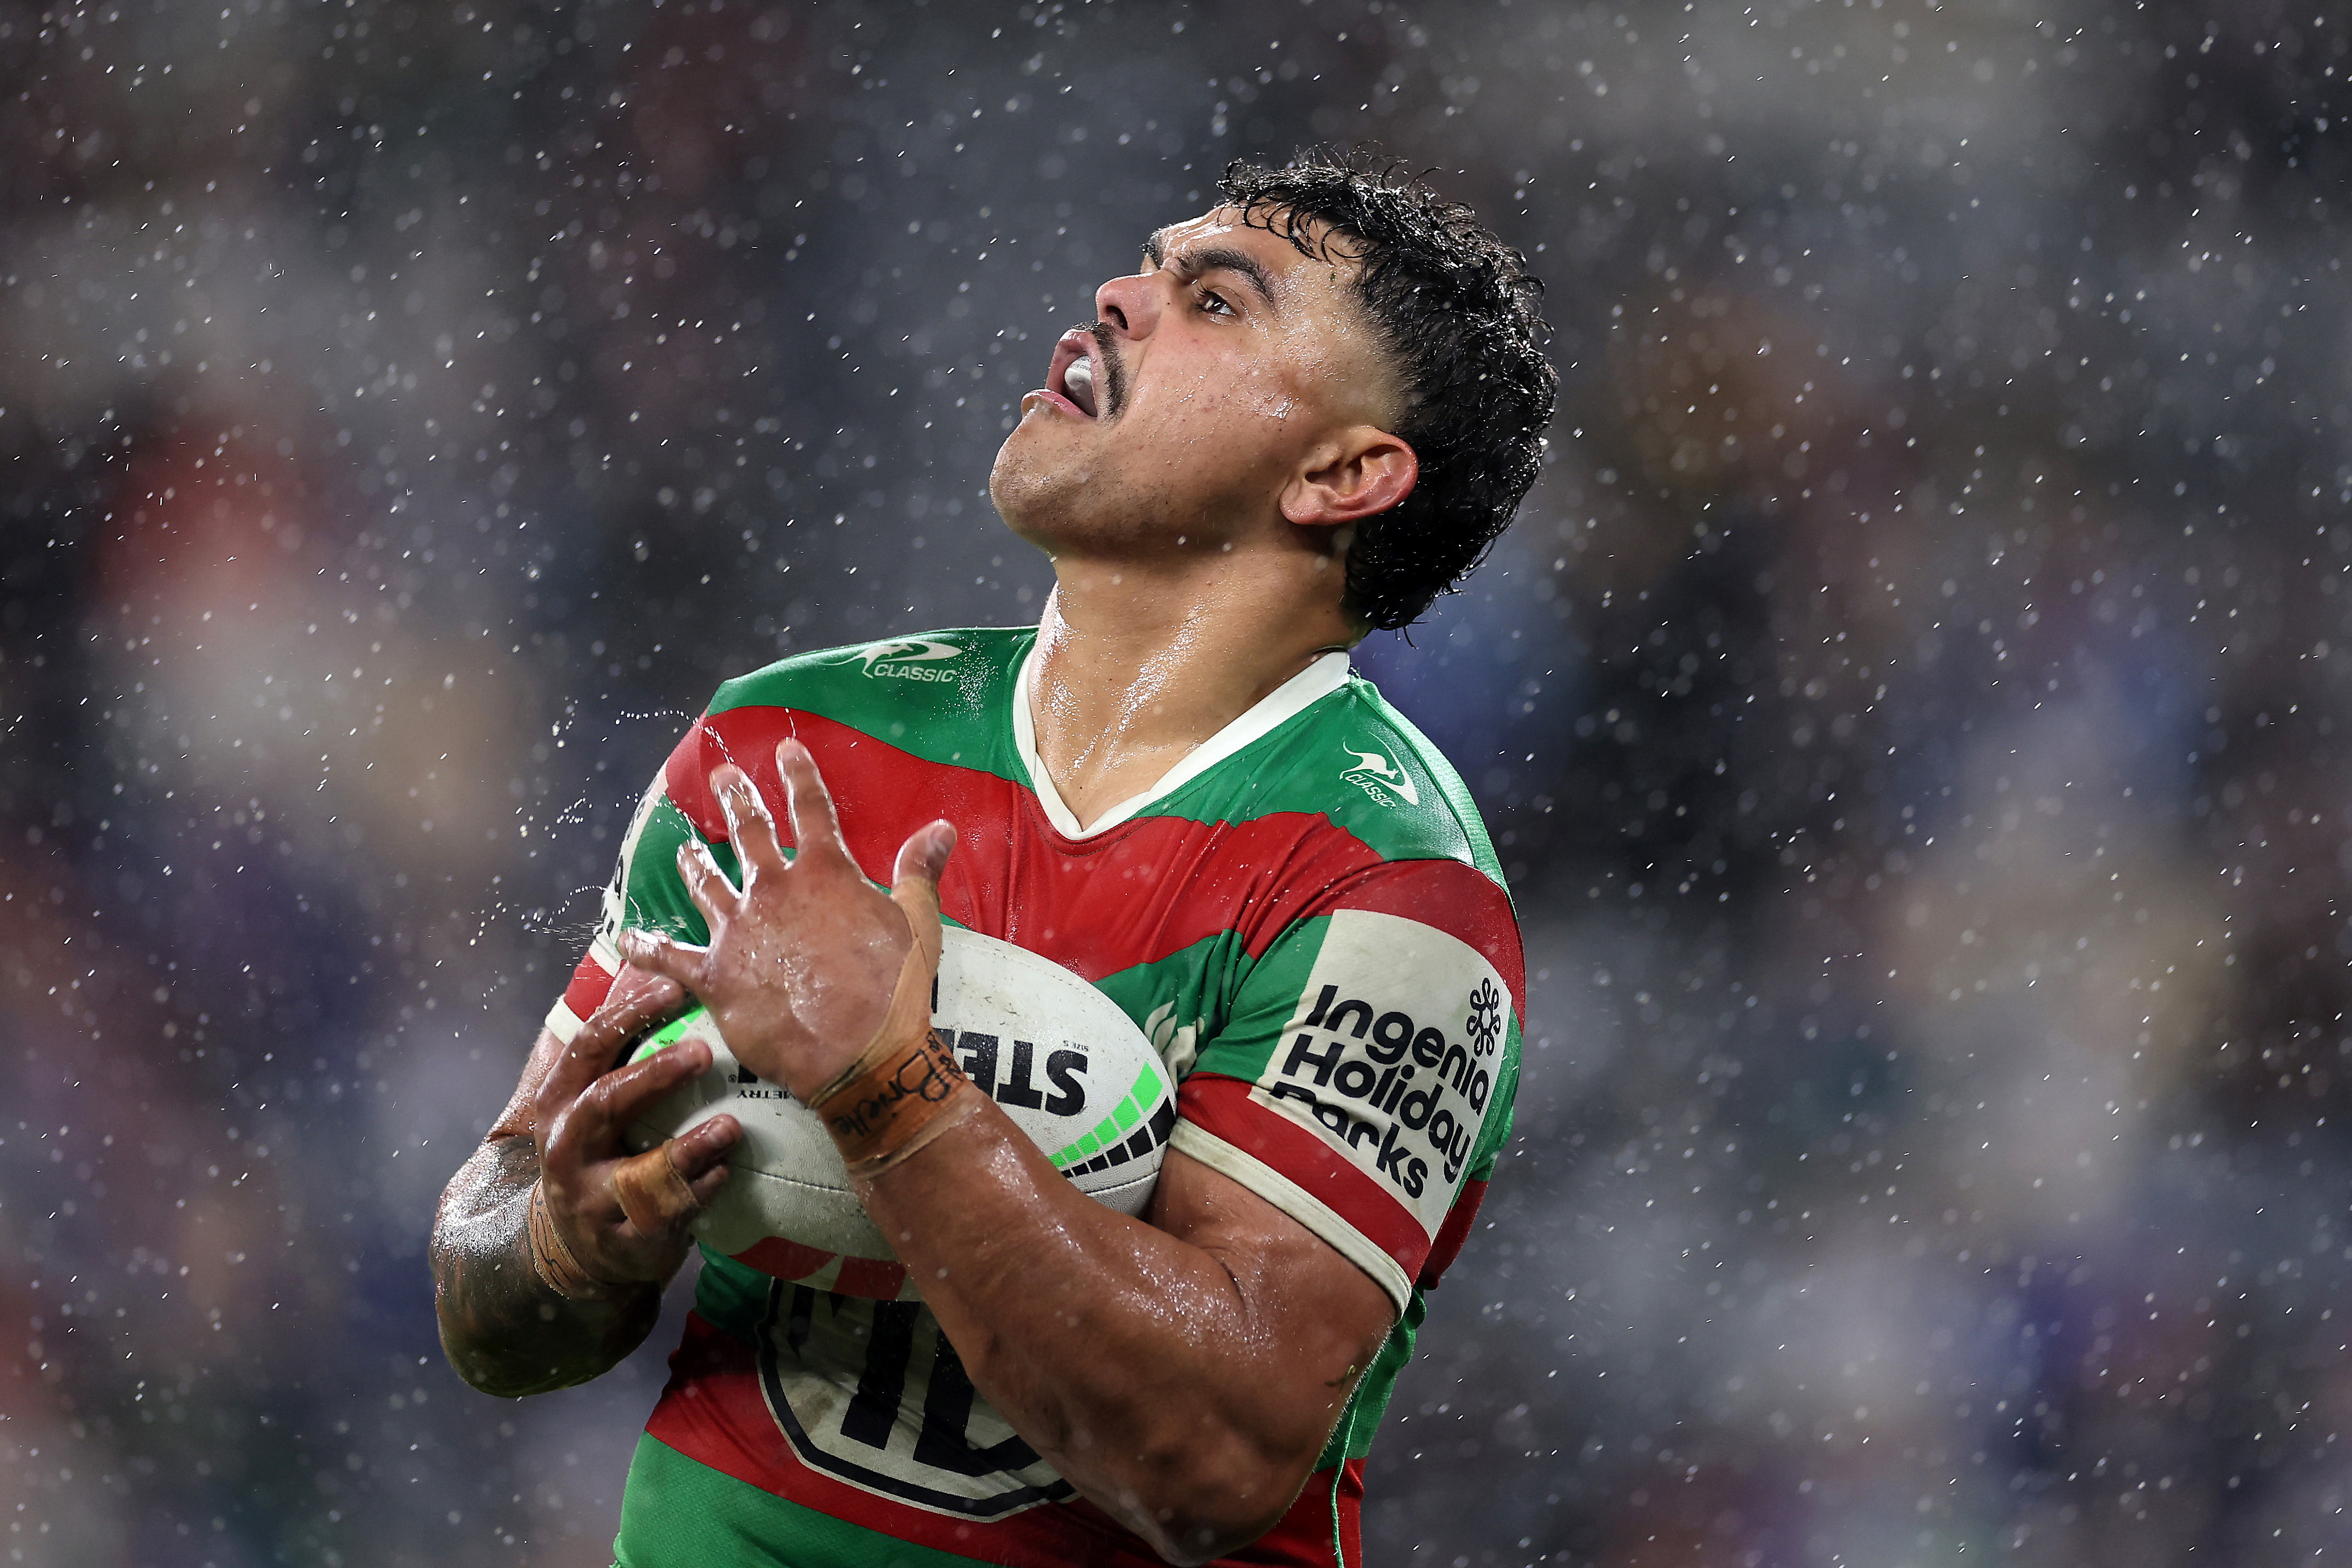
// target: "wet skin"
[[1182, 1371], [1197, 523], [1254, 400]]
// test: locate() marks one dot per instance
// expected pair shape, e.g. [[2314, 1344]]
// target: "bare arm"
[[1184, 1373], [506, 1328]]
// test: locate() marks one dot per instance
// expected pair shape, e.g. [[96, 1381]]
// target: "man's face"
[[1211, 376]]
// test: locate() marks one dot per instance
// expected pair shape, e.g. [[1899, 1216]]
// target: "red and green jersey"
[[1305, 918]]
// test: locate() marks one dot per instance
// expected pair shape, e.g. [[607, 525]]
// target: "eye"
[[1214, 303]]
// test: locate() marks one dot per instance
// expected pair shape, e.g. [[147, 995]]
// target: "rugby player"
[[1308, 412]]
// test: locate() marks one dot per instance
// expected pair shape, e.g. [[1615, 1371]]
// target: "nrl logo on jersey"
[[914, 658], [1376, 773]]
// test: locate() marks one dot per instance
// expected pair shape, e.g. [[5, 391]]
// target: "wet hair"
[[1455, 309]]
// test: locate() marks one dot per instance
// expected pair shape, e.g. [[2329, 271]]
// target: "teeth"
[[1079, 379]]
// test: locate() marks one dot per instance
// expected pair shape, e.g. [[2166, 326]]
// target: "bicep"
[[1317, 1318]]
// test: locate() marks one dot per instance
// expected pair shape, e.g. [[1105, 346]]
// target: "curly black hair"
[[1456, 311]]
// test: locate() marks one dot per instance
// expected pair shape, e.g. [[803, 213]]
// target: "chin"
[[1025, 491], [1038, 492]]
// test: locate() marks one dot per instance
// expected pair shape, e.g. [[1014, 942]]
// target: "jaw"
[[1034, 481], [1205, 456]]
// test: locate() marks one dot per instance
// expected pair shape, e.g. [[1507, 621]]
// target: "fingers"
[[703, 1147], [590, 1129], [632, 982], [925, 853], [665, 956], [915, 885], [706, 1186], [749, 825], [712, 894], [645, 999], [814, 825], [652, 1193]]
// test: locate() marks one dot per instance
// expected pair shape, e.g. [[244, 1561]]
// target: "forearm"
[[1130, 1359], [1183, 1375], [504, 1330]]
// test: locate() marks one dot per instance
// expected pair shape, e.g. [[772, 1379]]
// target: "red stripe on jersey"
[[590, 983], [1216, 1104], [1074, 900], [878, 1277], [713, 1412], [1460, 900], [1451, 1234], [782, 1258]]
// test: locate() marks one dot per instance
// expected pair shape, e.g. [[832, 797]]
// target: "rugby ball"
[[1065, 1063]]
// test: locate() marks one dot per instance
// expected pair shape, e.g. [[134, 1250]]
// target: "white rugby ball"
[[1060, 1057]]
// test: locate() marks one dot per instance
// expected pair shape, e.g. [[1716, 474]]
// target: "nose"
[[1130, 304]]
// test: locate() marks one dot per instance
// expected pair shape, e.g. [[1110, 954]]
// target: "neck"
[[1139, 663]]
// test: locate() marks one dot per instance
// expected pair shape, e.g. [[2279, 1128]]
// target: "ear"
[[1361, 474]]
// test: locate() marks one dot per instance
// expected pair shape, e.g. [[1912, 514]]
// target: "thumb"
[[915, 885]]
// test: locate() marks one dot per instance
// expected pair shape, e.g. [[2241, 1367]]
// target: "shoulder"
[[1387, 850], [930, 696], [960, 667], [1357, 761]]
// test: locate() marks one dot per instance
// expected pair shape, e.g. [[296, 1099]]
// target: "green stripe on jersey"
[[731, 1296], [653, 898], [1498, 1130], [1348, 757], [1352, 1437], [938, 695], [1191, 987], [680, 1514], [946, 696]]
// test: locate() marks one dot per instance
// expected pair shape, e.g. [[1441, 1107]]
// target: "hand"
[[589, 1179], [804, 956]]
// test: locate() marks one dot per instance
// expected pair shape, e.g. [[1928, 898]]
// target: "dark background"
[[1910, 708]]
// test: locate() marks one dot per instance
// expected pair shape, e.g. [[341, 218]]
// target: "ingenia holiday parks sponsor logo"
[[1395, 1053], [910, 659]]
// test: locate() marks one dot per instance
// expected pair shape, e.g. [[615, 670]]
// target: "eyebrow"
[[1218, 258]]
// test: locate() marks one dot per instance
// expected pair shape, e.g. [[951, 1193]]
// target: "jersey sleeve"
[[645, 892], [1362, 1080]]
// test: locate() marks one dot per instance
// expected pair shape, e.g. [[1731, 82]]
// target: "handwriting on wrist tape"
[[895, 1106]]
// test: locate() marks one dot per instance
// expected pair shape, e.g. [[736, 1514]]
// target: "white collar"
[[1326, 674]]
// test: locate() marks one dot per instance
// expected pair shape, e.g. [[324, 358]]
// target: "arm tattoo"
[[506, 1332]]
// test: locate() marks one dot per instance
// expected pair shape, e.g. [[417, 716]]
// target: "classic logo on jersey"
[[915, 659], [1393, 1054], [1376, 773]]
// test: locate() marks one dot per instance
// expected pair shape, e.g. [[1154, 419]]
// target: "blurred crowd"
[[1912, 709]]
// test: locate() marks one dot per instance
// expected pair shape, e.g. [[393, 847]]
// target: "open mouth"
[[1076, 375]]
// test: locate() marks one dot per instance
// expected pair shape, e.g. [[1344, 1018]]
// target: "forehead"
[[1309, 311], [1263, 236]]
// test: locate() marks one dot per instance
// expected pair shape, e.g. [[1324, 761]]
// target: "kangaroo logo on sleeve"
[[1376, 773]]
